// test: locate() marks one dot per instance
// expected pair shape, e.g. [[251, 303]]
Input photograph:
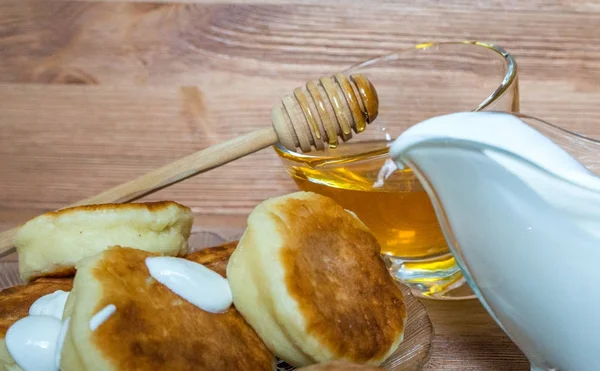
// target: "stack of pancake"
[[307, 282]]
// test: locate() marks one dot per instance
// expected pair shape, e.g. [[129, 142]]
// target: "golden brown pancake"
[[322, 256], [340, 366], [15, 301], [52, 243], [215, 258], [14, 305], [308, 276], [152, 328]]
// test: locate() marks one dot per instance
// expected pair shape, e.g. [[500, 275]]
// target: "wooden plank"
[[61, 143], [512, 5], [475, 353], [466, 338], [169, 44]]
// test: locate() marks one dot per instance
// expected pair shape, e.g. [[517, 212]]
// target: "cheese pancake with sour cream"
[[14, 305], [149, 326], [16, 301]]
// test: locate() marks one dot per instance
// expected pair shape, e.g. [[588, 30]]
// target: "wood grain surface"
[[94, 93]]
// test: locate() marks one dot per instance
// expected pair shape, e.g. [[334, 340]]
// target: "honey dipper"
[[314, 116]]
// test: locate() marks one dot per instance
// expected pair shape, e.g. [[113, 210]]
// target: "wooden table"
[[93, 93]]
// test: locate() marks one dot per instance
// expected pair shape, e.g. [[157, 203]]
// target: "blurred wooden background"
[[93, 93]]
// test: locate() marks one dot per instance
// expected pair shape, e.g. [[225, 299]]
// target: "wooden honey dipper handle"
[[315, 115]]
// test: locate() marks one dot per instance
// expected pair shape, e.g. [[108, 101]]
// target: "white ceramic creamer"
[[522, 216]]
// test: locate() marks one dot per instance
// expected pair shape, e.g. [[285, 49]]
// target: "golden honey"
[[399, 212]]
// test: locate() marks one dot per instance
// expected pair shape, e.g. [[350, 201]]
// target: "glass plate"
[[411, 355]]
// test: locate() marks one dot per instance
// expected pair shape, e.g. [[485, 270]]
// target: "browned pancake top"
[[339, 366], [15, 301], [150, 206], [154, 329], [215, 258], [334, 271]]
